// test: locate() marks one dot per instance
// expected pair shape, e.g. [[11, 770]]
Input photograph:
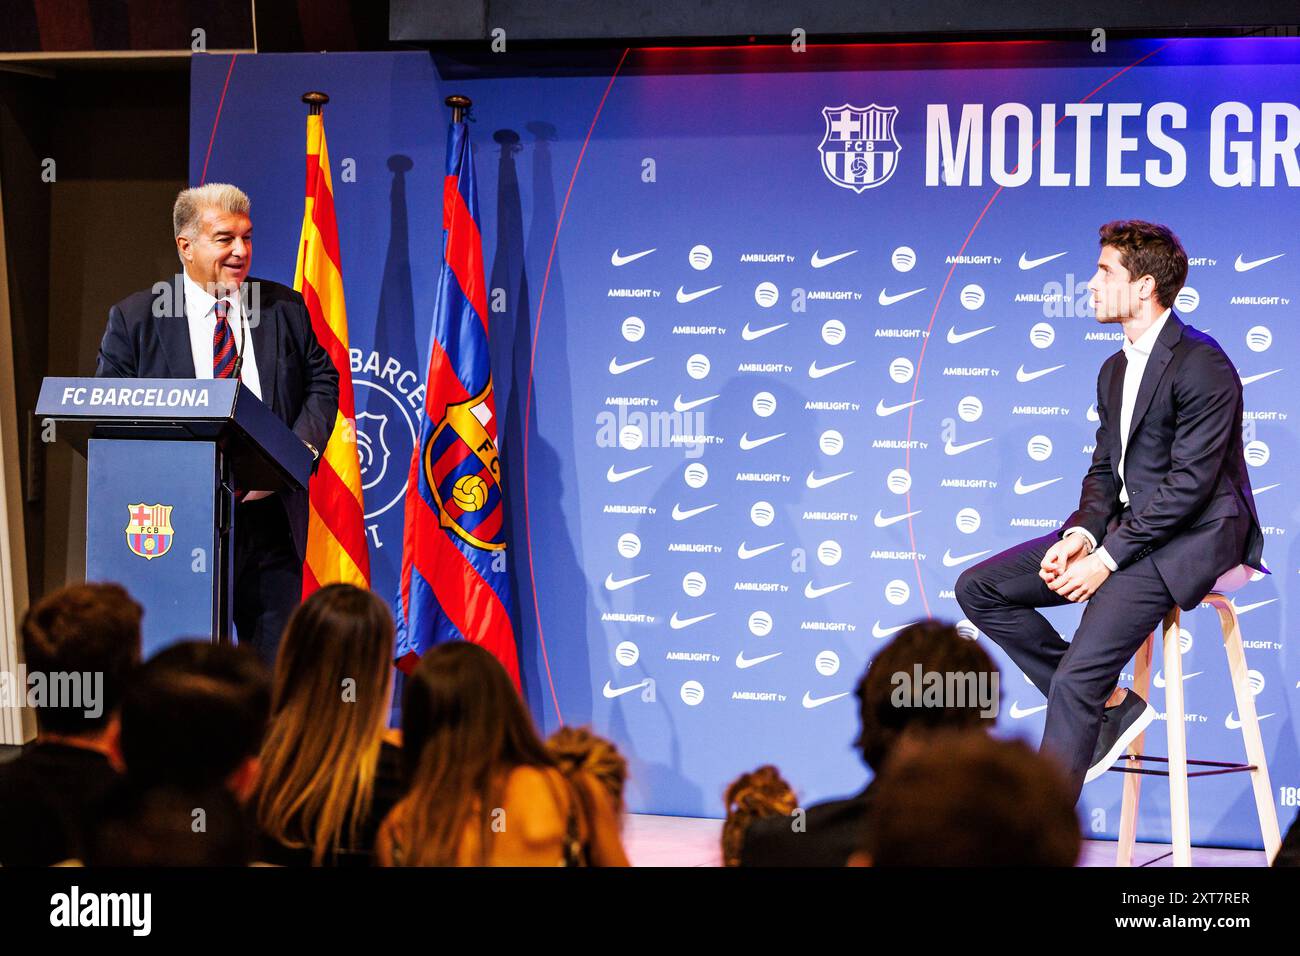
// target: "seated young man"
[[79, 645]]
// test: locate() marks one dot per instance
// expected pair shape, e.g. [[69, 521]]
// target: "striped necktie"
[[223, 343]]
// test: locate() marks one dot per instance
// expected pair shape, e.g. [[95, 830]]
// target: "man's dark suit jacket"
[[148, 336], [832, 832], [1192, 507]]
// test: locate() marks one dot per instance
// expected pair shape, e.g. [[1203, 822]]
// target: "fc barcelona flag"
[[454, 584]]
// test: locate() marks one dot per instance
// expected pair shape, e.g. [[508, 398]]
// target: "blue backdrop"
[[784, 341]]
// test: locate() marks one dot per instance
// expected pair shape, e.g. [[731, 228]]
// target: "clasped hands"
[[1069, 569]]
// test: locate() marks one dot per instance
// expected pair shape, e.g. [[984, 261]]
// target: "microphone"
[[239, 358]]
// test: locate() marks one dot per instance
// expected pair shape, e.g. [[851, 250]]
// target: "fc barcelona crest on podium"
[[149, 532], [464, 472], [859, 151]]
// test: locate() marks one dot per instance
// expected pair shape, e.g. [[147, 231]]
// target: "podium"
[[164, 457]]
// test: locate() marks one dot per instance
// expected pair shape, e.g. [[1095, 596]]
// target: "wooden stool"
[[1176, 730]]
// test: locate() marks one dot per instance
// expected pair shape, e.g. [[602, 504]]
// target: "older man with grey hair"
[[213, 321]]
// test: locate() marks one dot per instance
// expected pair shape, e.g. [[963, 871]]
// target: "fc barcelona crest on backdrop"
[[859, 150], [149, 532], [463, 471]]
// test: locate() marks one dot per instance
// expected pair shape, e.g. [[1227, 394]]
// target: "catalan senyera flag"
[[454, 584], [336, 530]]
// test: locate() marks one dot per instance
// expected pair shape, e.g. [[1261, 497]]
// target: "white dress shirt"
[[203, 325], [1137, 354]]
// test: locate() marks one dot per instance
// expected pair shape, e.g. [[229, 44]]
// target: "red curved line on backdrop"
[[217, 119], [916, 381], [528, 401]]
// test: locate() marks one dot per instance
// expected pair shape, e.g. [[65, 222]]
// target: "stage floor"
[[693, 841]]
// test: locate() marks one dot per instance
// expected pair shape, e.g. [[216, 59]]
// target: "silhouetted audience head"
[[329, 709], [579, 749], [194, 715], [752, 796], [963, 798], [464, 728], [484, 789], [891, 702], [1288, 854], [81, 643], [166, 825], [461, 710]]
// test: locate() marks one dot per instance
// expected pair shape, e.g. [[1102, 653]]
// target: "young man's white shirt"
[[1137, 353]]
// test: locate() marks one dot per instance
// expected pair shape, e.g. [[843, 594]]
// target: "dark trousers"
[[268, 575], [1001, 596]]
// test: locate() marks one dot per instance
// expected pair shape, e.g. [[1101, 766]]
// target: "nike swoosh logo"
[[613, 584], [809, 701], [1255, 378], [677, 623], [887, 299], [1232, 723], [612, 692], [683, 296], [956, 338], [880, 633], [1263, 488], [811, 592], [815, 372], [1024, 489], [1241, 266], [950, 449], [1244, 608], [1017, 713], [617, 368], [681, 515], [749, 334], [681, 406], [1159, 679], [951, 561], [619, 260], [615, 475], [819, 263], [813, 481], [882, 409], [883, 522], [1027, 263], [1023, 376], [745, 553], [742, 661], [746, 443]]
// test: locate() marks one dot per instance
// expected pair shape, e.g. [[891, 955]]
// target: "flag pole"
[[315, 100], [459, 106]]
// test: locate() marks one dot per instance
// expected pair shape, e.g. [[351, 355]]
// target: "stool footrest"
[[1220, 766]]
